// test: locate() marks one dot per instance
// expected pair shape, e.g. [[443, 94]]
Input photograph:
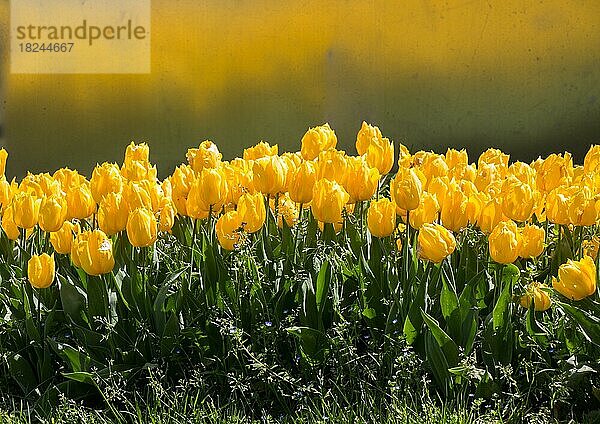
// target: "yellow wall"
[[521, 75]]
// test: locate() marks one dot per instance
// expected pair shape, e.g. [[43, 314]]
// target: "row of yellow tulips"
[[436, 194]]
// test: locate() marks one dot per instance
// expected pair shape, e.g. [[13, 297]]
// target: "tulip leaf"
[[510, 275], [73, 299], [323, 282], [443, 340], [589, 324], [448, 297], [21, 371]]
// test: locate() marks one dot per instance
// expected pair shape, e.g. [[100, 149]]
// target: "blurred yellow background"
[[520, 75]]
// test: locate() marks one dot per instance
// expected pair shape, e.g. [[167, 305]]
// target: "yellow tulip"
[[365, 137], [329, 199], [576, 279], [407, 188], [505, 242], [532, 242], [141, 227], [497, 158], [380, 155], [590, 247], [524, 173], [106, 178], [80, 203], [3, 158], [40, 270], [381, 217], [486, 174], [208, 191], [535, 294], [229, 230], [137, 152], [62, 240], [558, 203], [92, 251], [113, 213], [252, 211], [362, 179], [456, 159], [53, 213], [591, 161], [333, 165], [68, 178], [426, 213], [136, 196], [554, 171], [518, 199], [260, 150], [433, 165], [137, 170], [582, 208], [435, 242], [287, 211], [207, 155], [302, 182], [316, 140], [491, 215], [454, 209], [269, 175], [25, 210], [167, 217], [6, 192], [8, 224], [404, 157]]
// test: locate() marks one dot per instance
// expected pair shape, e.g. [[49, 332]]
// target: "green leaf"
[[73, 299], [21, 371], [448, 297], [443, 340], [510, 275], [589, 324], [369, 313], [323, 282]]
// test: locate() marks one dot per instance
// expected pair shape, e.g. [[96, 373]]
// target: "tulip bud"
[[167, 217], [142, 228], [3, 157], [8, 224], [532, 241], [302, 182], [25, 210], [317, 140], [535, 294], [113, 213], [407, 188], [381, 218], [106, 178], [229, 230], [252, 212], [329, 199], [505, 242], [435, 242], [40, 270], [53, 213], [269, 175], [362, 180], [62, 240], [426, 213], [209, 190], [576, 279], [80, 203], [380, 155], [260, 150], [92, 251], [207, 155]]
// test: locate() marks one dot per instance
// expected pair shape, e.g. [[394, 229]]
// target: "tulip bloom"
[[25, 210], [269, 175], [8, 224], [3, 157], [53, 213], [302, 182], [435, 242], [329, 199], [92, 251], [252, 211], [228, 229], [454, 209], [576, 279], [365, 137], [106, 178], [142, 228], [533, 241], [505, 242], [426, 213], [40, 270], [62, 240], [317, 140], [362, 180], [518, 199], [113, 213], [333, 165], [381, 217], [260, 150], [167, 217], [80, 202], [407, 188], [207, 155], [380, 155], [535, 294], [208, 191]]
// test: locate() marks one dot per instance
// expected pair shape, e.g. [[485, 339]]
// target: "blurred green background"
[[518, 75]]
